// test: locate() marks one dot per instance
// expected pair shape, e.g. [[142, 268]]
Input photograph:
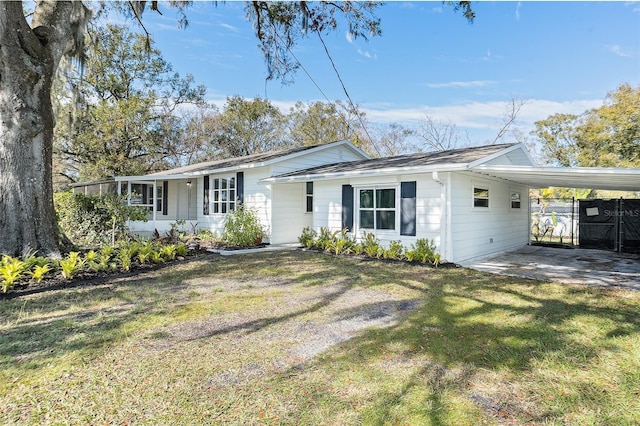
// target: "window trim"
[[308, 197], [482, 187], [222, 185], [511, 201], [396, 208]]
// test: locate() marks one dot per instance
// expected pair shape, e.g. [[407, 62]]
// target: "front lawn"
[[308, 338]]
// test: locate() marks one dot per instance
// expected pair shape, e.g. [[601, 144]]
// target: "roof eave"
[[365, 173]]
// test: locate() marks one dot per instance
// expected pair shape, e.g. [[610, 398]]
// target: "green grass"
[[218, 341]]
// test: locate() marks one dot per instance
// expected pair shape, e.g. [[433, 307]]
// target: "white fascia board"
[[365, 173], [550, 171], [150, 178]]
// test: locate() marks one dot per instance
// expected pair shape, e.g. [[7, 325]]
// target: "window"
[[159, 196], [309, 197], [377, 208], [515, 200], [224, 195], [480, 197]]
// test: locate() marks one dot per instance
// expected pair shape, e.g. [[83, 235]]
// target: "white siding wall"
[[255, 195], [328, 206], [478, 232], [289, 217]]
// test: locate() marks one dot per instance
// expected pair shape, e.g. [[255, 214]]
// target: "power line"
[[344, 88]]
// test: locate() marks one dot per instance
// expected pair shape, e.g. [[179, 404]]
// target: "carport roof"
[[617, 179]]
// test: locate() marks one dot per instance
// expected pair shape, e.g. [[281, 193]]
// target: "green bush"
[[394, 251], [242, 227], [340, 242], [11, 269], [307, 238], [71, 265], [423, 250], [324, 240], [370, 244], [91, 221]]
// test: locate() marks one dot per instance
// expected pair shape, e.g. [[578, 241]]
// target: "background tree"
[[608, 136], [557, 135], [319, 122], [435, 135], [387, 140], [121, 115], [248, 127]]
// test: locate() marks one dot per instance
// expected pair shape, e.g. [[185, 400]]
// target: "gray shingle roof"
[[233, 162], [454, 156]]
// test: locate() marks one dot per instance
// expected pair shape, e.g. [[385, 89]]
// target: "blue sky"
[[429, 61]]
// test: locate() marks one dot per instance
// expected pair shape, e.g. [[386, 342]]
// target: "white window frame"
[[512, 192], [395, 209], [223, 192], [159, 197], [483, 187]]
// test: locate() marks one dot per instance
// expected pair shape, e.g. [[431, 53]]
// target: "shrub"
[[324, 240], [39, 271], [340, 242], [242, 227], [169, 252], [307, 237], [181, 249], [394, 251], [11, 269], [370, 244], [94, 220], [71, 265], [423, 250]]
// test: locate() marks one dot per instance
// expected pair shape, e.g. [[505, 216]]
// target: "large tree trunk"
[[29, 59]]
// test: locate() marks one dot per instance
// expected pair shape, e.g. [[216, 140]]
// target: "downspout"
[[445, 216]]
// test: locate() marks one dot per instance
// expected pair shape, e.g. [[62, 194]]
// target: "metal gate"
[[610, 225]]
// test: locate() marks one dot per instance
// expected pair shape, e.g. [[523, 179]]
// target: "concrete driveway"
[[572, 266]]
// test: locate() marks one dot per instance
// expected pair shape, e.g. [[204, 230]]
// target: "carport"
[[604, 224], [574, 266]]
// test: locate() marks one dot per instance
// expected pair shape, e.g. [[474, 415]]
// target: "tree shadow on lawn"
[[86, 315], [463, 331]]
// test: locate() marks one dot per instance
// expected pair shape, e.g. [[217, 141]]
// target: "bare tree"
[[511, 112], [440, 136]]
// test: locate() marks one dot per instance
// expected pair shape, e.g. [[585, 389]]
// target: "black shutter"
[[347, 207], [240, 187], [205, 204], [165, 197], [408, 208]]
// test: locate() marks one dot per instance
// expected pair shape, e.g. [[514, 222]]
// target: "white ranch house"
[[472, 202]]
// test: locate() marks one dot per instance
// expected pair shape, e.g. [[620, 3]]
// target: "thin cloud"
[[477, 115], [229, 27], [518, 10], [616, 49], [367, 54], [461, 84]]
